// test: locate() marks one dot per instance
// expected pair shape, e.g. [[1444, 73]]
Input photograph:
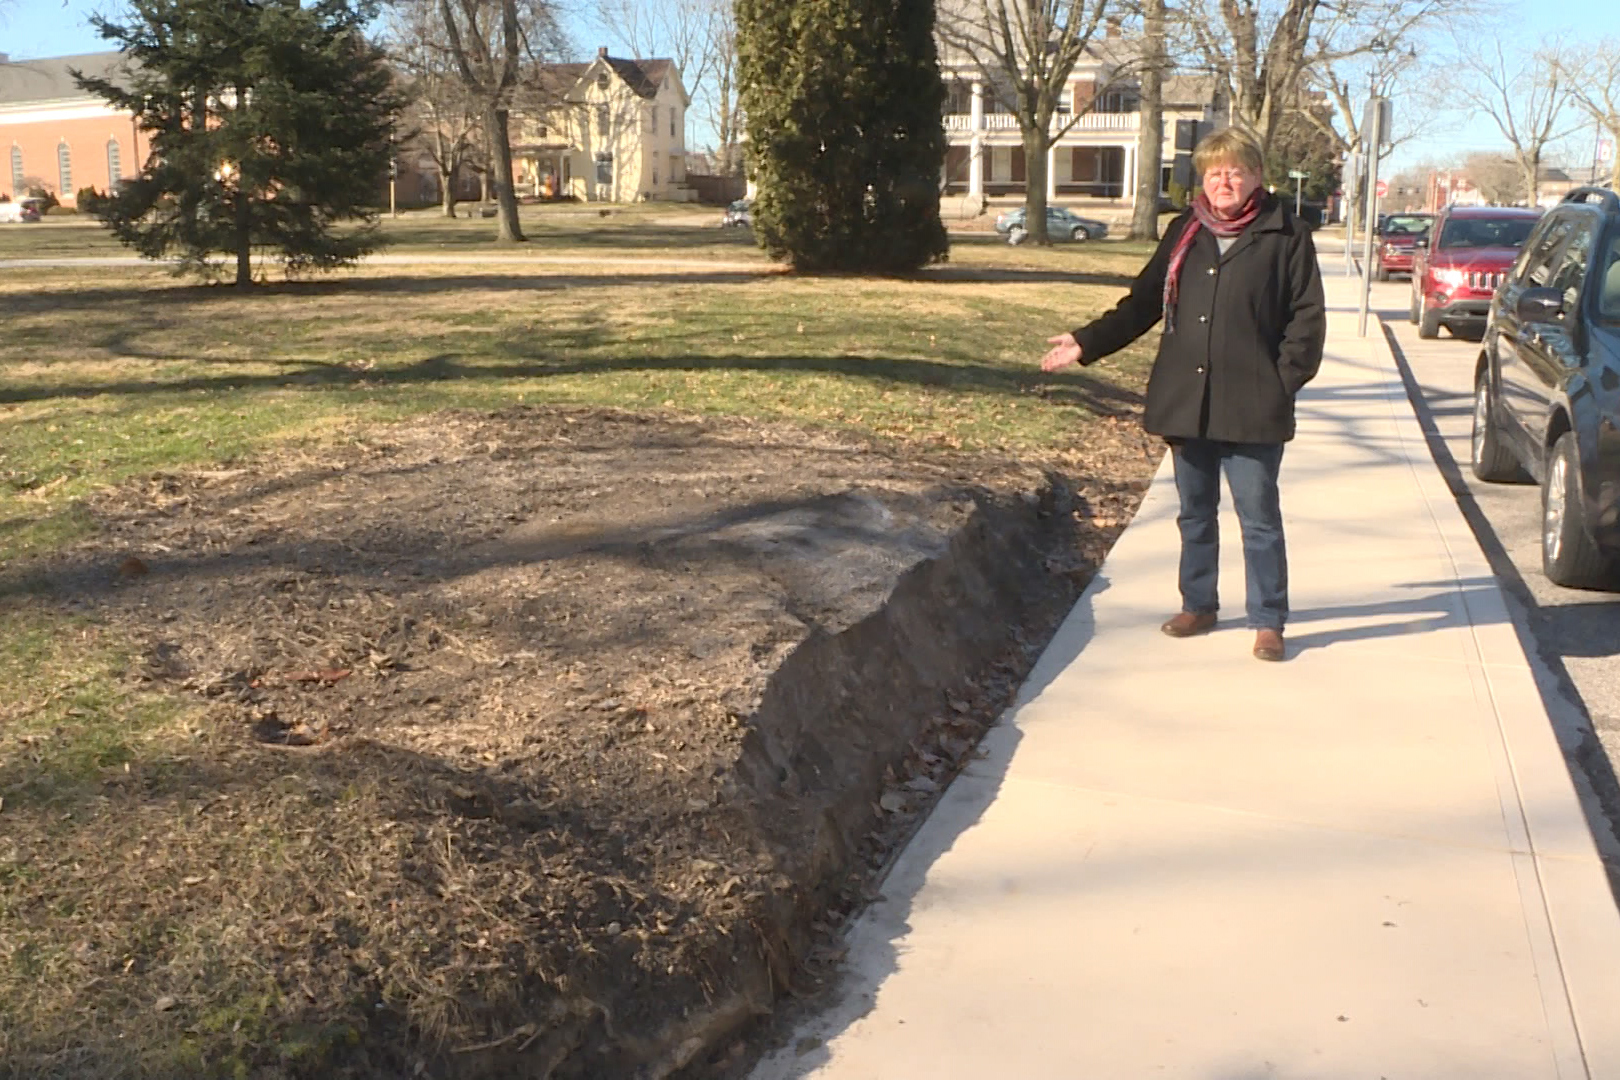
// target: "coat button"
[[1200, 371], [1203, 318], [1211, 271]]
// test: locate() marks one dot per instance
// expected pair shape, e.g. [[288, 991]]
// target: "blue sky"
[[32, 28]]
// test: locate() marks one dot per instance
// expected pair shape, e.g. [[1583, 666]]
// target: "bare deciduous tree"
[[1150, 135], [1528, 98], [489, 42], [1263, 50], [1025, 51], [1498, 179], [1593, 80], [444, 119]]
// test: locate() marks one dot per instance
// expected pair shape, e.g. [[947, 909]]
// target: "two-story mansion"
[[1094, 160], [615, 133]]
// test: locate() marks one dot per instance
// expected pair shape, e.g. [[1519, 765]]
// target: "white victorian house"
[[1093, 162]]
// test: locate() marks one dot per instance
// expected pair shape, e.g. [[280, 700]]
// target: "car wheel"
[[1080, 235], [1428, 321], [1382, 275], [1489, 459], [1569, 557], [1415, 313]]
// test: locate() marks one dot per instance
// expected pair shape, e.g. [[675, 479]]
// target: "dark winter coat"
[[1248, 331]]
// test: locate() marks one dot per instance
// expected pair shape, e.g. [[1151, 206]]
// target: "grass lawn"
[[106, 374], [110, 376]]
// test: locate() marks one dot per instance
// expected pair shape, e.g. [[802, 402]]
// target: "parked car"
[[1456, 268], [1547, 385], [1061, 224], [738, 215], [1397, 239]]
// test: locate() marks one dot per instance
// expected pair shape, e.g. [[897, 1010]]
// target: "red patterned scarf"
[[1204, 216]]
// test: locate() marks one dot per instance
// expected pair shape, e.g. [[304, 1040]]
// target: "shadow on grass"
[[1074, 389]]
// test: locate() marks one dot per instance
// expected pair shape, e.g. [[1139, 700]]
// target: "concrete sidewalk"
[[1176, 861]]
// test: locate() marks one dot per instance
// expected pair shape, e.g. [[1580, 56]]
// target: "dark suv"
[[1457, 267], [1547, 385]]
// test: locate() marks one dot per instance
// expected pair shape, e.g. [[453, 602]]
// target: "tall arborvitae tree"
[[270, 127], [843, 100]]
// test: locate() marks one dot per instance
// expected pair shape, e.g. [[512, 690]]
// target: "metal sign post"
[[1299, 179], [1376, 124], [1352, 187]]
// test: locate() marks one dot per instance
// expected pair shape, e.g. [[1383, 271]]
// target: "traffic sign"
[[1295, 174], [1383, 188]]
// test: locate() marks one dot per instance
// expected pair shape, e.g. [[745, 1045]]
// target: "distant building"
[[1094, 160], [59, 138], [616, 133]]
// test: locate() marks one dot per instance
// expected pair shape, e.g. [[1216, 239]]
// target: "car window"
[[1609, 294], [1407, 225], [1536, 263], [1571, 265], [1472, 232]]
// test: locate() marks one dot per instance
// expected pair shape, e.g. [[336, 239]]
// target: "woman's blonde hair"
[[1229, 146]]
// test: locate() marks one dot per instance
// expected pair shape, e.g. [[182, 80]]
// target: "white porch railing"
[[997, 122]]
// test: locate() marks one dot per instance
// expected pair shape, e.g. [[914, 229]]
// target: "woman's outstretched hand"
[[1065, 351]]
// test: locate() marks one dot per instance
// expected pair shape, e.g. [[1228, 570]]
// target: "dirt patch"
[[535, 742]]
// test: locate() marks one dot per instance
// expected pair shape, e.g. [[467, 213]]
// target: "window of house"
[[64, 168], [656, 172], [602, 81], [652, 125], [17, 172], [602, 121], [113, 169]]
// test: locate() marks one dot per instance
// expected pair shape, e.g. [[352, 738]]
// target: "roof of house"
[[644, 77], [24, 82]]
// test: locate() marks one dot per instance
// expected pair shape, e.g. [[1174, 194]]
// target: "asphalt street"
[[1573, 635]]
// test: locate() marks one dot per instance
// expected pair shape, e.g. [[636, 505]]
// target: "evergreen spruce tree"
[[843, 100], [270, 125]]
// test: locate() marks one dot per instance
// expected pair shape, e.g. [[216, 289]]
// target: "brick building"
[[60, 138]]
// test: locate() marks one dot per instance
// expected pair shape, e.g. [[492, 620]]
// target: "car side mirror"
[[1539, 305], [1421, 242]]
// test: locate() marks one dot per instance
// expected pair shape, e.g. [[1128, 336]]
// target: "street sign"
[[1605, 151], [1295, 174], [1383, 188]]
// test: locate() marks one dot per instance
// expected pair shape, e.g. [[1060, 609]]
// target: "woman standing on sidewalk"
[[1236, 281]]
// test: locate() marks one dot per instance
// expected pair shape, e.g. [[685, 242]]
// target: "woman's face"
[[1228, 186]]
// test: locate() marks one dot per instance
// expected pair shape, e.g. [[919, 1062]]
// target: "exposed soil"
[[541, 742]]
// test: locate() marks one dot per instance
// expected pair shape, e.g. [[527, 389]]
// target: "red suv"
[[1456, 269], [1397, 238]]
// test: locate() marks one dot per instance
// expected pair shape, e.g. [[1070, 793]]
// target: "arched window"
[[114, 169], [17, 191], [64, 170]]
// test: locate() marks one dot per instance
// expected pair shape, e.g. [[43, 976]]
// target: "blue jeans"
[[1251, 472]]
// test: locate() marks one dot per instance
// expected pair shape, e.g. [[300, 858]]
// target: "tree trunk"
[[1150, 137], [1036, 144], [1530, 165], [244, 238], [447, 194], [501, 145]]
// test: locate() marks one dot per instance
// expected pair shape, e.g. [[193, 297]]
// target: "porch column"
[[1051, 174], [976, 166], [1128, 182], [977, 106]]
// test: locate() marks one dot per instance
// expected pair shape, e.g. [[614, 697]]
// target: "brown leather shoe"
[[1268, 645], [1188, 624]]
